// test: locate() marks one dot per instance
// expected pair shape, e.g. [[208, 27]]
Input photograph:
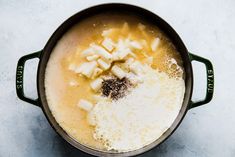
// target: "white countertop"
[[208, 29]]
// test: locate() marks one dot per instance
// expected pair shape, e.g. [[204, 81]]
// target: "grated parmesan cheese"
[[142, 116]]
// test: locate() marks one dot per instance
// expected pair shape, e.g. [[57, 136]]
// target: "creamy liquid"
[[63, 98]]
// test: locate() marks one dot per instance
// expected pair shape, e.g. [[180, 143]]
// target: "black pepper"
[[115, 88]]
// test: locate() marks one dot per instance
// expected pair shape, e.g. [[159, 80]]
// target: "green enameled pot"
[[148, 16]]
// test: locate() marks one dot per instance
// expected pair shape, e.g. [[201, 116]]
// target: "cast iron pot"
[[148, 16]]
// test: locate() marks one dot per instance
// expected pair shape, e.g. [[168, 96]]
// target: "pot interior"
[[114, 8]]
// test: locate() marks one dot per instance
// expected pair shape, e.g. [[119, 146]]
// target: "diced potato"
[[144, 43], [125, 28], [97, 72], [115, 56], [72, 67], [122, 50], [98, 50], [108, 44], [117, 71], [96, 84], [155, 44], [135, 79], [85, 105], [87, 68], [141, 26], [92, 58], [91, 118], [121, 54], [88, 52], [136, 67], [119, 46], [128, 62], [111, 33], [122, 44], [73, 83], [103, 64], [105, 33], [127, 44], [136, 45], [143, 31], [132, 54]]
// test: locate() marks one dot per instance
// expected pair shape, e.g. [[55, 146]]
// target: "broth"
[[64, 88]]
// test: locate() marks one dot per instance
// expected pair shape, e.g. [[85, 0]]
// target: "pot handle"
[[210, 80], [20, 76]]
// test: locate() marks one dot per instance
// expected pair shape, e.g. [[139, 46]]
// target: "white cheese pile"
[[142, 116]]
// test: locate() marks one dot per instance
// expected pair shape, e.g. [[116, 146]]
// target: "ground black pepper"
[[115, 88]]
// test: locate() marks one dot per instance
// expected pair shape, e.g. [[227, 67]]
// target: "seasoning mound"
[[115, 88], [142, 115]]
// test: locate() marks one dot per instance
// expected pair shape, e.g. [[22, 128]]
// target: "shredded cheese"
[[142, 116]]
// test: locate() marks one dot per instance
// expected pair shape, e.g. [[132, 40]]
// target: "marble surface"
[[206, 27]]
